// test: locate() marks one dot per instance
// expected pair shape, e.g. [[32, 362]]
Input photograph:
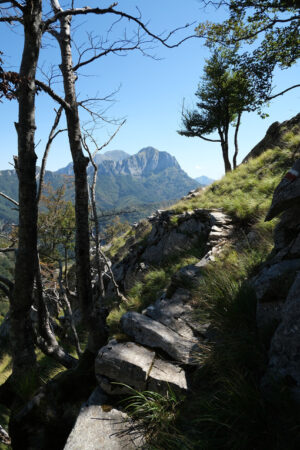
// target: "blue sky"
[[150, 95]]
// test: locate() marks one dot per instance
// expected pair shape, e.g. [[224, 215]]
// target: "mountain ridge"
[[149, 178]]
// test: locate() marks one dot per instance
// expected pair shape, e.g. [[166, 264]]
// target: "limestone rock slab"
[[153, 334], [102, 427], [127, 363], [124, 363]]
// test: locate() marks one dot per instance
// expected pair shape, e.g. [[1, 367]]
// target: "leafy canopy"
[[274, 22]]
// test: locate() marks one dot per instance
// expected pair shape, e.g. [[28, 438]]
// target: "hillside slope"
[[227, 407], [187, 346]]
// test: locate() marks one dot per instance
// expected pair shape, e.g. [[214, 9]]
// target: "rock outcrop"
[[278, 285], [275, 137], [171, 234], [166, 337]]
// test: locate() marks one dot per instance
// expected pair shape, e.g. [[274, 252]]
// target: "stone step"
[[151, 333], [100, 426], [137, 367], [172, 312]]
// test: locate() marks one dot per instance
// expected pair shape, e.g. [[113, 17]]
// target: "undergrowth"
[[147, 409]]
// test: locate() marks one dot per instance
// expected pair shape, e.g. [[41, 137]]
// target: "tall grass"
[[227, 408], [154, 416], [246, 192]]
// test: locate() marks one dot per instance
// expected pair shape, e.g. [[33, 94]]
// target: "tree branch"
[[98, 11], [13, 3], [51, 138], [283, 92], [52, 94], [11, 19], [9, 199]]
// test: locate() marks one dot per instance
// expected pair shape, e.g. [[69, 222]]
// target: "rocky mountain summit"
[[146, 162], [142, 182]]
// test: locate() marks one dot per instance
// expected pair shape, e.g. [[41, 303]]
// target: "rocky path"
[[164, 341]]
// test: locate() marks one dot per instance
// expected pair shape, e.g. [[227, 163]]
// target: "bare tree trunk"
[[97, 329], [236, 146], [22, 338], [225, 149]]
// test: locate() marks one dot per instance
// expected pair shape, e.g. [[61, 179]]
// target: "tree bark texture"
[[225, 148], [236, 145], [22, 338], [80, 162]]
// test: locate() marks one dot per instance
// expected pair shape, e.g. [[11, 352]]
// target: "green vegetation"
[[230, 86], [148, 289], [226, 408], [275, 23], [150, 408], [246, 193]]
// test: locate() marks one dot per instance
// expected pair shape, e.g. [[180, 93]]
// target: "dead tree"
[[102, 262], [29, 14]]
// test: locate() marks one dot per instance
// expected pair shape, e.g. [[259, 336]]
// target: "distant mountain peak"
[[204, 180]]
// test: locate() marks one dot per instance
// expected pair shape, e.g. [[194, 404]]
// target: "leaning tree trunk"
[[96, 325], [225, 149], [236, 145], [22, 339]]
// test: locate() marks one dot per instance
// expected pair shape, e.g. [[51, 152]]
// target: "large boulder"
[[287, 193], [284, 354], [100, 426], [138, 367], [154, 334], [274, 137], [177, 314]]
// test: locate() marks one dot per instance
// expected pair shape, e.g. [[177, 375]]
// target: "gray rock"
[[164, 375], [268, 314], [99, 426], [273, 282], [124, 363], [284, 355], [287, 193], [153, 334], [219, 218], [169, 312], [127, 363], [287, 228]]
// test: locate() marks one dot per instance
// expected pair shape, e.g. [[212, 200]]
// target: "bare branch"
[[9, 199], [99, 251], [98, 11], [51, 138], [7, 249], [11, 19], [283, 92], [68, 311], [52, 94], [13, 3], [7, 282]]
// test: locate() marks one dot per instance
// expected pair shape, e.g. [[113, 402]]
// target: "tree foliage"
[[274, 22], [230, 86]]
